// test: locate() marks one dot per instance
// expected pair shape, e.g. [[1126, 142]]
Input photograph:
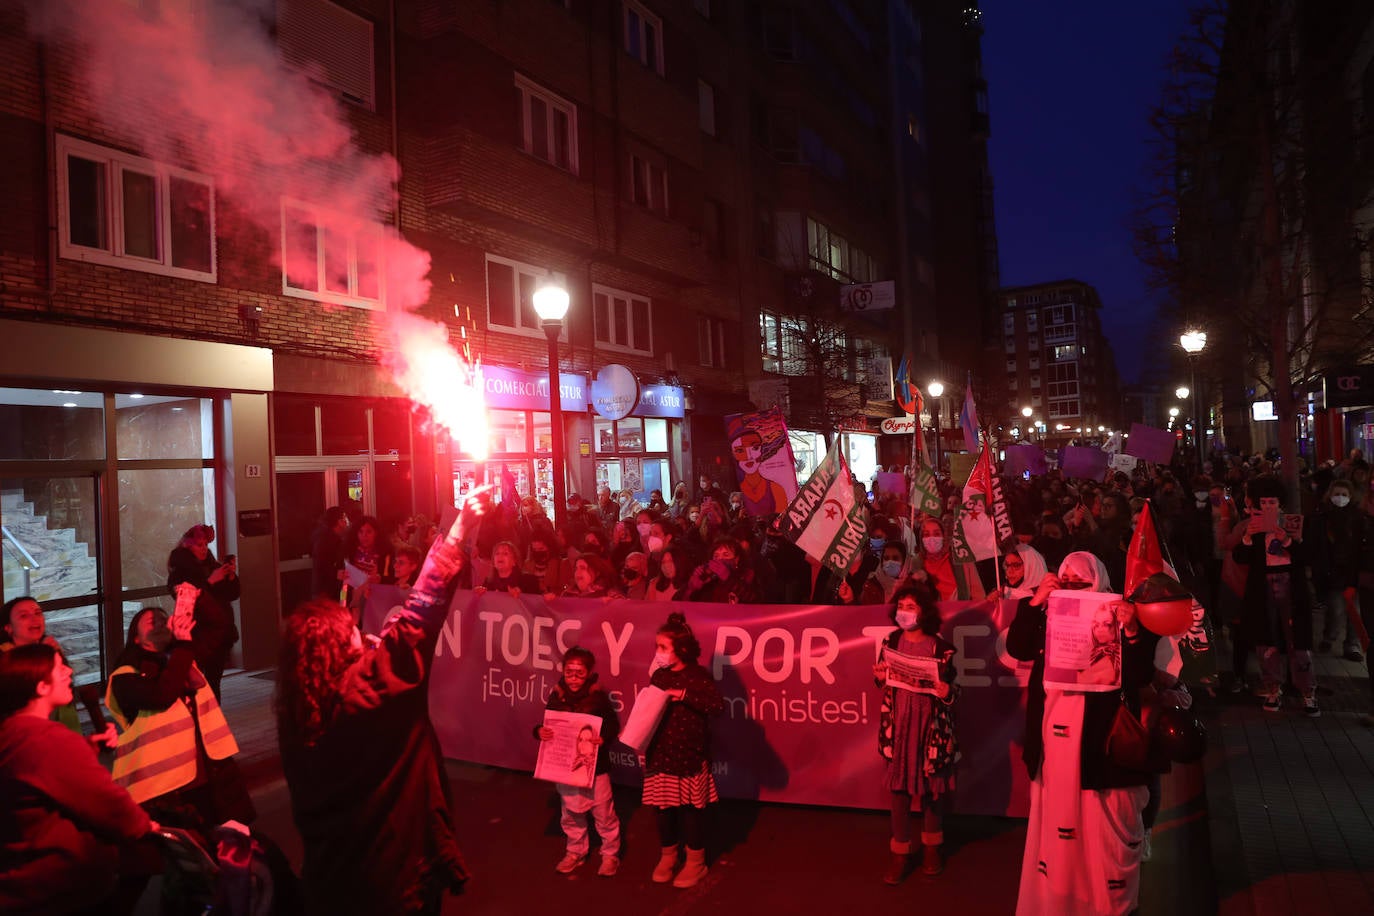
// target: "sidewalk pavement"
[[785, 857], [1292, 799]]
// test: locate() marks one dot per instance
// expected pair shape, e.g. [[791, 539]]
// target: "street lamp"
[[1193, 343], [1181, 392], [551, 304], [935, 390]]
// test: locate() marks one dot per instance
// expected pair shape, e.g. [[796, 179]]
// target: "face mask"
[[624, 500], [655, 544], [694, 518], [933, 545], [1200, 496], [907, 619], [892, 568], [643, 529], [876, 544], [1340, 501], [661, 660]]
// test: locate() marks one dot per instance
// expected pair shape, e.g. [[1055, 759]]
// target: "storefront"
[[521, 432], [860, 450], [636, 433]]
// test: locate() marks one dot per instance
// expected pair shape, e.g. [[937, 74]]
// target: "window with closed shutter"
[[332, 45]]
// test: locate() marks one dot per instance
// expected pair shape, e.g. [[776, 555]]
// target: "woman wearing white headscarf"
[[1084, 837], [1024, 567]]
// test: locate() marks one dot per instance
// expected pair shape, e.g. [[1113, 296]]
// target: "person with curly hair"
[[916, 731], [677, 763], [361, 759]]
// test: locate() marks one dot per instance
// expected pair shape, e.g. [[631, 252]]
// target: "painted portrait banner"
[[764, 464], [801, 719]]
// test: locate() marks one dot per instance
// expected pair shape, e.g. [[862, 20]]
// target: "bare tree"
[[1249, 223]]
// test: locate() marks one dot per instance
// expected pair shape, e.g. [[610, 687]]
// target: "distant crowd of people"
[[361, 758]]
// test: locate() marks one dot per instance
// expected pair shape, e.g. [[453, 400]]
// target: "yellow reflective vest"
[[157, 750]]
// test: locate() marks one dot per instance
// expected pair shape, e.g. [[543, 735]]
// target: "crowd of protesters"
[[1285, 573]]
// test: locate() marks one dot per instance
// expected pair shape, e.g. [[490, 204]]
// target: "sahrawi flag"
[[983, 522], [824, 519]]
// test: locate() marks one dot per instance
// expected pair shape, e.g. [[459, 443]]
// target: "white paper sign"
[[1082, 641], [357, 576], [569, 757], [651, 704], [919, 674]]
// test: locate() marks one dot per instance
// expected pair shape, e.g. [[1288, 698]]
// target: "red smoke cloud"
[[210, 92]]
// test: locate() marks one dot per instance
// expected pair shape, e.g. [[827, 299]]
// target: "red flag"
[[1143, 557]]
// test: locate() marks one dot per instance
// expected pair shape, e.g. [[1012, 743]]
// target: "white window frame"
[[711, 342], [656, 191], [646, 18], [605, 342], [553, 102], [323, 218], [533, 270], [114, 162]]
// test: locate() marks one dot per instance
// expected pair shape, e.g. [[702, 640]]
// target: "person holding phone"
[[1276, 608], [218, 583]]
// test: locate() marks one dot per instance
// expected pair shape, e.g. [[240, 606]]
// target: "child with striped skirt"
[[677, 764]]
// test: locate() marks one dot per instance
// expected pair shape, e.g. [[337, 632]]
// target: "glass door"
[[304, 491]]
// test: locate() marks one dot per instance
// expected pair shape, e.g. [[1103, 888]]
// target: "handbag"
[[1128, 743]]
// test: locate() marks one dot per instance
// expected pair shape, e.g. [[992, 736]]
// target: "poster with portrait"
[[569, 757], [764, 465], [1082, 642]]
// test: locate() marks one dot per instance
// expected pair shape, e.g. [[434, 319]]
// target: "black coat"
[[1256, 625], [215, 632]]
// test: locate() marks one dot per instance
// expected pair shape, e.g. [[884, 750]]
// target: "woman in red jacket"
[[64, 818]]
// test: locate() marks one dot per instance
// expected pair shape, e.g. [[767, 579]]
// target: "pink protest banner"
[[802, 709], [1150, 444]]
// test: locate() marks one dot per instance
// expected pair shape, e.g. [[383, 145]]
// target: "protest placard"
[[1084, 462], [651, 704], [1082, 641], [911, 672], [1150, 444], [569, 757]]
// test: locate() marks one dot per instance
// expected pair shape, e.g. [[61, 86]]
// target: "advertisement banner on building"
[[868, 297], [516, 390], [802, 711], [764, 464]]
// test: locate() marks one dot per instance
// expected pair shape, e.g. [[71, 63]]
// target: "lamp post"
[[1193, 343], [1027, 412], [551, 304], [935, 390]]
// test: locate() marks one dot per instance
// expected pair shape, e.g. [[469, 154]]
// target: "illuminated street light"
[[551, 305], [1026, 412], [1173, 411], [1193, 341], [1181, 392], [935, 390]]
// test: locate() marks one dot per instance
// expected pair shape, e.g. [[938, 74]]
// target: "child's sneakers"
[[1310, 708], [609, 866], [1272, 702], [570, 862]]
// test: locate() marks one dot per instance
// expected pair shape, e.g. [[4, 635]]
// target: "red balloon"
[[1166, 618]]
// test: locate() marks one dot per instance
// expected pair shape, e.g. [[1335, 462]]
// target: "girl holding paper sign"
[[916, 732], [677, 763]]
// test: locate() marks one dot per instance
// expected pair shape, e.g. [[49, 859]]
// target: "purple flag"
[[1022, 458]]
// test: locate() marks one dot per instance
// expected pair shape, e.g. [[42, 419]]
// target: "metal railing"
[[26, 561]]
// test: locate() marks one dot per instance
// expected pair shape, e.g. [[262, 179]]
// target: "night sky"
[[1070, 85]]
